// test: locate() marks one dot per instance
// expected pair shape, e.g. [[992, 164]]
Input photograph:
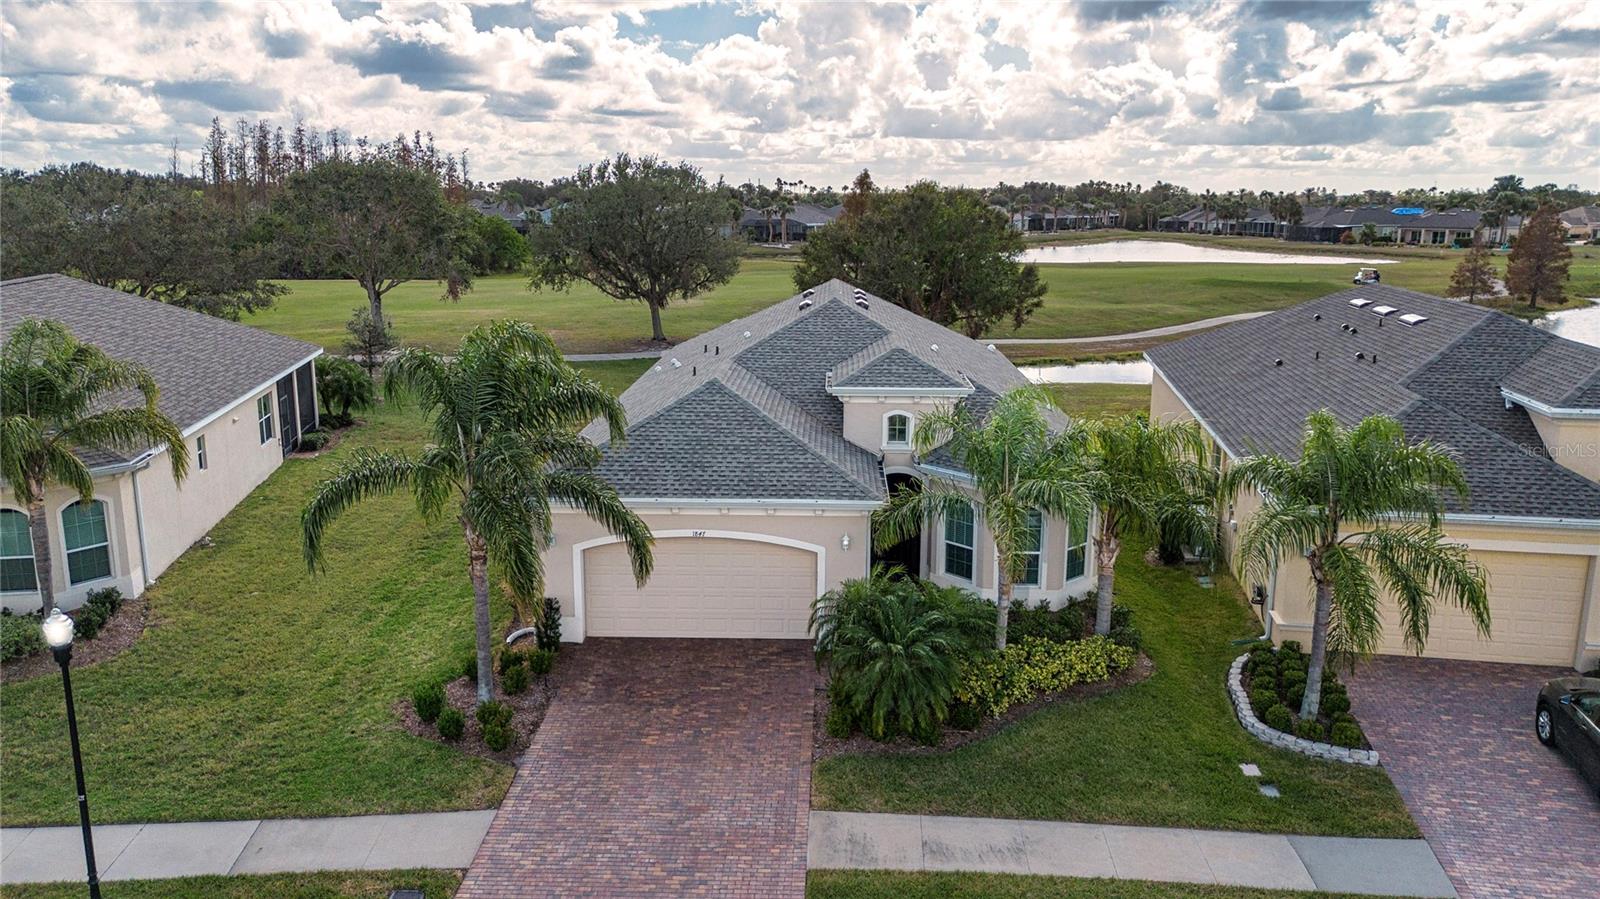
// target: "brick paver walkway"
[[664, 768], [1506, 816]]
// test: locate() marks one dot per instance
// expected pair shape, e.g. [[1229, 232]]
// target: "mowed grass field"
[[1083, 300]]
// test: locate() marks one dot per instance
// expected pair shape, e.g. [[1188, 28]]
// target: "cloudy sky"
[[1209, 93]]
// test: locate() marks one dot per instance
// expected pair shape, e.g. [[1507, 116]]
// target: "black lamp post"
[[58, 633]]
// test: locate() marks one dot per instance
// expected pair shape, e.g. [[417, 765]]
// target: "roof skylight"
[[1359, 303], [1383, 310], [1412, 318]]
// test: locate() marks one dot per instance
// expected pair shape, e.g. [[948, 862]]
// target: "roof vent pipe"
[[717, 351], [805, 304], [1316, 316], [676, 364], [1360, 356], [1277, 363], [861, 302], [809, 292]]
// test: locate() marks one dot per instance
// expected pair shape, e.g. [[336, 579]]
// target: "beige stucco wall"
[[824, 529], [1572, 442], [174, 515], [864, 419], [1053, 589], [1164, 402]]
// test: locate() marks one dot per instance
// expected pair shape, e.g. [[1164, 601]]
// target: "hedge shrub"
[[1346, 734], [95, 612], [840, 723], [19, 636], [516, 680], [428, 700], [494, 714], [1279, 718], [452, 724], [1023, 670], [497, 736], [1310, 729]]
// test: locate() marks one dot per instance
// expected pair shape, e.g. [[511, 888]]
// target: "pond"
[[1089, 373], [1167, 251], [1581, 325]]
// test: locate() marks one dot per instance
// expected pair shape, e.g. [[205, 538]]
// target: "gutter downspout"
[[138, 522]]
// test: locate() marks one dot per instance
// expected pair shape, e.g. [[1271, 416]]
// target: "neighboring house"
[[757, 452], [241, 397], [762, 227], [1582, 222], [1521, 408]]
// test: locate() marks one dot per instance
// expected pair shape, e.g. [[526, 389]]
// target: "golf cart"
[[1366, 276]]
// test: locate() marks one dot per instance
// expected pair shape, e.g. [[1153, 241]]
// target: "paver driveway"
[[663, 768], [1507, 817]]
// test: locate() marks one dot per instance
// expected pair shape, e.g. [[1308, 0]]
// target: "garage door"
[[702, 587], [1535, 602]]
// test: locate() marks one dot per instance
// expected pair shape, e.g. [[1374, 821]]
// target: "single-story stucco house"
[[241, 396], [1519, 406], [757, 452]]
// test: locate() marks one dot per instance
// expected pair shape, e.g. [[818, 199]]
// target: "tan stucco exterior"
[[147, 503], [1573, 442], [1544, 592]]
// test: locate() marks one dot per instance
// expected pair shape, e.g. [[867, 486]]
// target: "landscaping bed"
[[1275, 682], [105, 628]]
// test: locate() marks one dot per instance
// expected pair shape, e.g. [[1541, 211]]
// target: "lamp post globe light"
[[58, 634]]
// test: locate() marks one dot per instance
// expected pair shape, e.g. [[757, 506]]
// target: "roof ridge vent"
[[861, 301], [1383, 310], [676, 364], [809, 291], [1360, 303], [1412, 319], [806, 304], [934, 347]]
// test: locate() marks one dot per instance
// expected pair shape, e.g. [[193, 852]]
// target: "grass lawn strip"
[[966, 885], [316, 885], [1165, 752]]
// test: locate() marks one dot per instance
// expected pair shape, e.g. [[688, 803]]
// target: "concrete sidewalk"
[[150, 851], [1164, 331], [928, 843]]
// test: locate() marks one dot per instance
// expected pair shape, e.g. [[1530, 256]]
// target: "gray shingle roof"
[[1440, 378], [1561, 373], [898, 368], [745, 413], [202, 364]]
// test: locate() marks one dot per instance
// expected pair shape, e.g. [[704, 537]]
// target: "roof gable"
[[897, 367]]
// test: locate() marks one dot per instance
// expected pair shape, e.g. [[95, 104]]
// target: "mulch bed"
[[334, 437], [527, 712], [824, 746], [116, 635]]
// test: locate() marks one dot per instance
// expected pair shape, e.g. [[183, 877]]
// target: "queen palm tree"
[[1145, 479], [1017, 465], [504, 415], [1362, 506], [57, 398]]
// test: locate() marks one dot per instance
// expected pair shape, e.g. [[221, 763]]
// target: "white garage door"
[[702, 587], [1535, 602]]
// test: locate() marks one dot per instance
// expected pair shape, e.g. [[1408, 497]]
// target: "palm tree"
[[56, 393], [1146, 479], [1018, 466], [1370, 479], [504, 414]]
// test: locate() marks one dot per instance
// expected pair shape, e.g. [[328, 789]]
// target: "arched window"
[[16, 553], [83, 525], [897, 429]]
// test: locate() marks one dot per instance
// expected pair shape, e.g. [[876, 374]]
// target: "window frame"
[[264, 424], [201, 458], [27, 534], [911, 424], [971, 548], [68, 550], [1037, 553], [1080, 547]]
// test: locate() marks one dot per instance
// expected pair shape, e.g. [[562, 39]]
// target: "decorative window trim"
[[28, 536], [264, 425], [68, 550], [911, 429], [972, 549]]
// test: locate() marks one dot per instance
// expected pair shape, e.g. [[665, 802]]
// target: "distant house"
[[512, 214], [768, 227], [1582, 222], [241, 397], [1045, 219]]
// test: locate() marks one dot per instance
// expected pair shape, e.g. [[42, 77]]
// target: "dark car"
[[1568, 718]]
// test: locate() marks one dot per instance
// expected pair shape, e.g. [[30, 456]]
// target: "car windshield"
[[1589, 704]]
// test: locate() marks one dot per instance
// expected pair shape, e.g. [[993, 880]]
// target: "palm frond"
[[599, 500], [368, 473]]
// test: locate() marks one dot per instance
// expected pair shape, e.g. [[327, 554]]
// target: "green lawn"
[[1100, 400], [965, 885], [1162, 752], [1083, 300], [318, 885]]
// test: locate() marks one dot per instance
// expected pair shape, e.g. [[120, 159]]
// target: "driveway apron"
[[1506, 816], [663, 768]]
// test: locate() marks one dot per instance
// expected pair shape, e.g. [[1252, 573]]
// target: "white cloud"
[[1211, 93]]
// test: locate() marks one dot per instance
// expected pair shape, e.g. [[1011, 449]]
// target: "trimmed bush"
[[1041, 623], [1127, 636], [1292, 677], [965, 716], [1335, 702], [998, 680], [452, 724], [1346, 734], [1294, 695], [493, 714], [1262, 699], [1121, 616], [497, 736], [516, 680], [1291, 647], [95, 612], [312, 441], [1310, 730], [541, 662], [469, 667], [428, 701], [19, 636], [840, 723], [1279, 718], [547, 631], [928, 733]]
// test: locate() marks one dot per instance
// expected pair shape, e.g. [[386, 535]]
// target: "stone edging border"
[[1247, 717]]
